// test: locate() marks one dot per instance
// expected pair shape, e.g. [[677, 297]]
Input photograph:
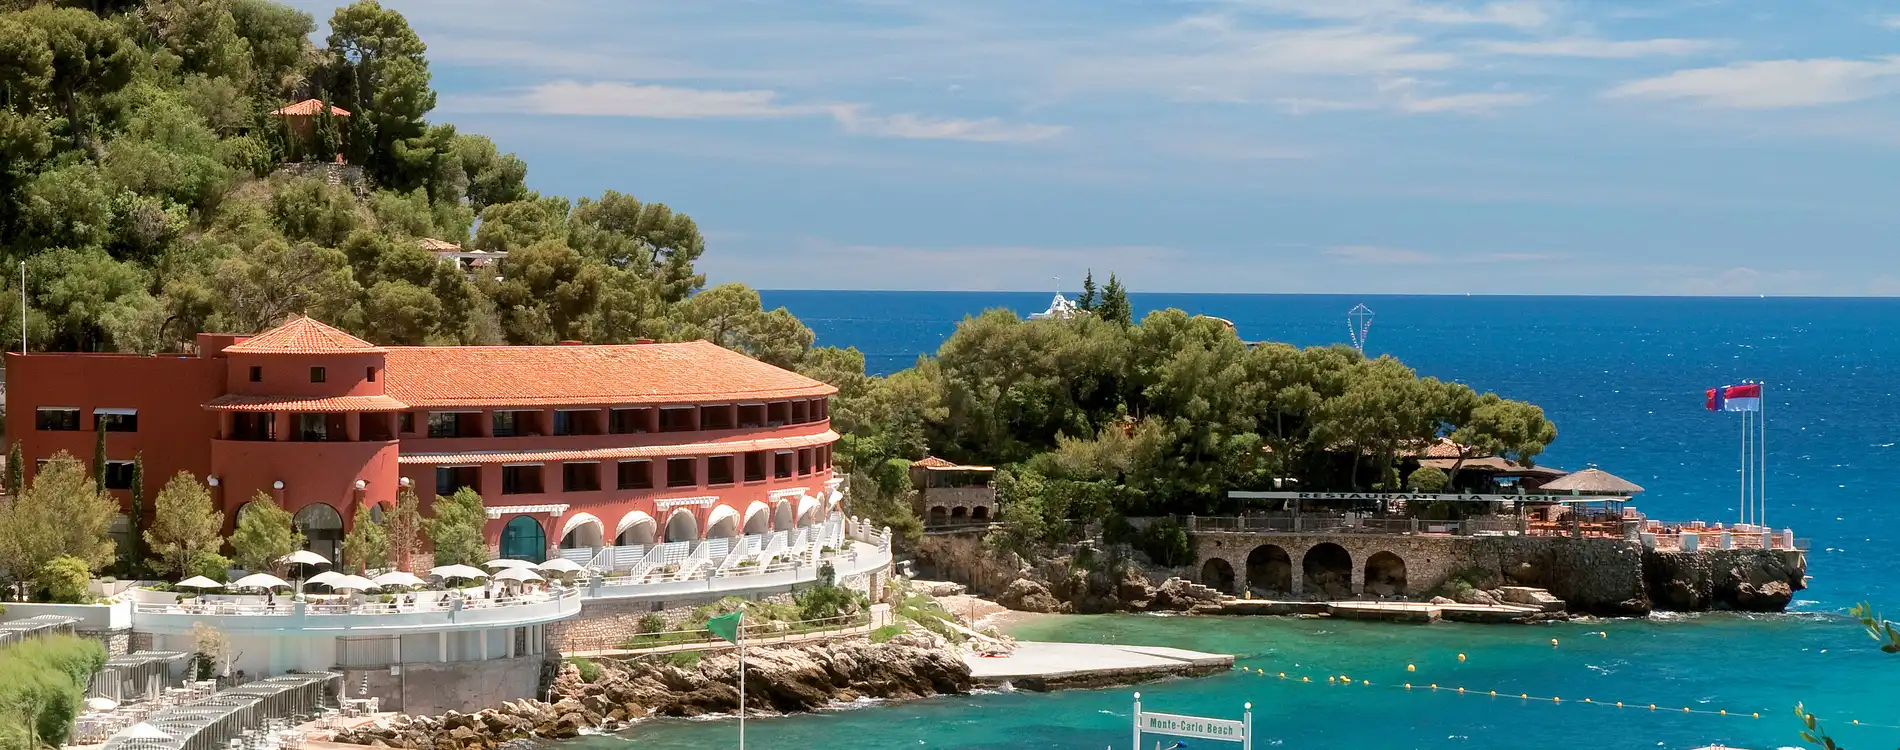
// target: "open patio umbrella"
[[144, 731], [304, 557], [101, 704], [397, 578], [260, 581], [354, 583], [560, 565], [518, 575], [200, 582], [458, 571], [507, 563]]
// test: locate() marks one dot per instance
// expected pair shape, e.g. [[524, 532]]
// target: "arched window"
[[322, 529], [523, 539]]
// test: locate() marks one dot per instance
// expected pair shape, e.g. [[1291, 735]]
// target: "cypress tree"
[[133, 555], [1086, 302], [99, 453], [1115, 307], [16, 470]]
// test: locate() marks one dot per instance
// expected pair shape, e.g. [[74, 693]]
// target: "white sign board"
[[1423, 497], [1199, 727]]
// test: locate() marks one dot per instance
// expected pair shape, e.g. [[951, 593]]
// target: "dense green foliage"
[[61, 513], [367, 544], [154, 195], [456, 529], [42, 683], [185, 525], [264, 534]]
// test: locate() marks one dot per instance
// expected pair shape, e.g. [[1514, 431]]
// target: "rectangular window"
[[821, 409], [782, 465], [778, 413], [716, 417], [755, 465], [580, 476], [321, 428], [374, 426], [445, 424], [407, 422], [801, 412], [118, 475], [752, 415], [505, 424], [369, 373], [58, 418], [257, 374], [804, 461], [636, 475], [116, 420], [254, 426], [629, 421], [449, 479], [677, 419], [719, 470], [521, 480], [682, 472], [318, 375], [563, 423]]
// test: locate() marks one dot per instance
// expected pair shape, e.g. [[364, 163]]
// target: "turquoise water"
[[1623, 380]]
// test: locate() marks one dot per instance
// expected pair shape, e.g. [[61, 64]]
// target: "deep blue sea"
[[1623, 379]]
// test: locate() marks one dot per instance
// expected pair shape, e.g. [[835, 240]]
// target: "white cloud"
[[608, 99], [1772, 84], [1522, 14], [1374, 255], [1591, 47], [1468, 104], [1891, 22]]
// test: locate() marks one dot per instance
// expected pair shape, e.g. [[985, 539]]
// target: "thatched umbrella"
[[1592, 481]]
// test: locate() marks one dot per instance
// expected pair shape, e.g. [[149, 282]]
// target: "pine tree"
[[16, 470], [1115, 307], [1086, 302]]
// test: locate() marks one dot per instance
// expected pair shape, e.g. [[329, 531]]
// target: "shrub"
[[210, 565], [683, 659], [41, 684], [63, 580], [886, 633], [652, 623], [1427, 479], [827, 598], [1166, 542], [590, 672]]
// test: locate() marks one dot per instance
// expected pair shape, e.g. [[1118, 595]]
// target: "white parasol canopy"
[[458, 571], [507, 563], [144, 731], [260, 581], [397, 578], [518, 574], [327, 578], [354, 583], [101, 704], [304, 557], [560, 565], [200, 582]]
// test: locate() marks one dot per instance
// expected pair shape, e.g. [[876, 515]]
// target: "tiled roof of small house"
[[303, 335]]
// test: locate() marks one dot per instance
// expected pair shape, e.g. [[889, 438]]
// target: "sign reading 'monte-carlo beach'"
[[1198, 727]]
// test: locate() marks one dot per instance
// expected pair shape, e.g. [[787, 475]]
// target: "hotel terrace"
[[571, 447]]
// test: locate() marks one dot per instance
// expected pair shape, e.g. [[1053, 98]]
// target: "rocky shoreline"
[[778, 681]]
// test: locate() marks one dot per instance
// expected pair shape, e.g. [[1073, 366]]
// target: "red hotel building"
[[570, 446]]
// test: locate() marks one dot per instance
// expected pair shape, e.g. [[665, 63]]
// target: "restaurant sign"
[[1421, 497], [1227, 730]]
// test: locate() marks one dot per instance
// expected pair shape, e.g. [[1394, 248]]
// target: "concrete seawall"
[[1043, 666]]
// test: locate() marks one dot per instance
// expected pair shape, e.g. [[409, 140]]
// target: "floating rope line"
[[1342, 680]]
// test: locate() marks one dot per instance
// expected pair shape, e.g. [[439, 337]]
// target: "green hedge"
[[42, 683]]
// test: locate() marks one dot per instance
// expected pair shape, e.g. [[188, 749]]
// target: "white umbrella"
[[560, 565], [327, 578], [397, 578], [507, 563], [304, 557], [458, 571], [518, 574], [200, 582], [354, 583], [101, 704], [260, 581], [143, 731]]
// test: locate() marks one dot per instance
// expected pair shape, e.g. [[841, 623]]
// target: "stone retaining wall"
[[604, 623]]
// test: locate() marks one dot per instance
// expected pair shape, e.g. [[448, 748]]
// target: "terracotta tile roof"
[[241, 402], [930, 462], [304, 335], [692, 372], [438, 246], [309, 107], [607, 454]]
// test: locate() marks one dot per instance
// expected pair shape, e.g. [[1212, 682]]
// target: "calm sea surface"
[[1622, 378]]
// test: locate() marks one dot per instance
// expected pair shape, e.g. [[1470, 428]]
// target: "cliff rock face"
[[778, 680], [1593, 576], [1056, 584], [1748, 580]]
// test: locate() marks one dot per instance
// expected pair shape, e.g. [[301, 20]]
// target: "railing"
[[754, 634], [654, 558], [364, 618], [1596, 526], [739, 552]]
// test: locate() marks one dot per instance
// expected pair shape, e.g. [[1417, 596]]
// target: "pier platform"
[[1382, 611], [1042, 666]]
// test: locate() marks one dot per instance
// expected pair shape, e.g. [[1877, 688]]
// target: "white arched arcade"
[[582, 531], [635, 528], [758, 518]]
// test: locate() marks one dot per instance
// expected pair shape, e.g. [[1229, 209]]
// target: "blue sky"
[[1367, 146]]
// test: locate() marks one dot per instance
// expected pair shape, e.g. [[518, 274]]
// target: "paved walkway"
[[1092, 663]]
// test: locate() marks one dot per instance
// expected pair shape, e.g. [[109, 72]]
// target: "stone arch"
[[1218, 574], [959, 514], [782, 515], [524, 539], [582, 531], [1326, 571], [322, 529], [980, 514], [1270, 569], [635, 529], [758, 520], [681, 526], [939, 516], [1385, 574]]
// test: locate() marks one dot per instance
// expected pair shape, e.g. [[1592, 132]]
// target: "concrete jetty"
[[1383, 611], [1042, 666]]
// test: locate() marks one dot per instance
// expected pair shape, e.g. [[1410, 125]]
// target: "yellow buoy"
[[1553, 642], [1555, 699], [1282, 675], [1331, 680], [1365, 682], [1685, 709], [1525, 696], [1411, 667], [1494, 693], [1586, 700], [1306, 679], [1757, 714], [1605, 634], [1461, 657], [1857, 721], [1652, 706], [1724, 712], [1408, 686], [1619, 704], [1434, 686]]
